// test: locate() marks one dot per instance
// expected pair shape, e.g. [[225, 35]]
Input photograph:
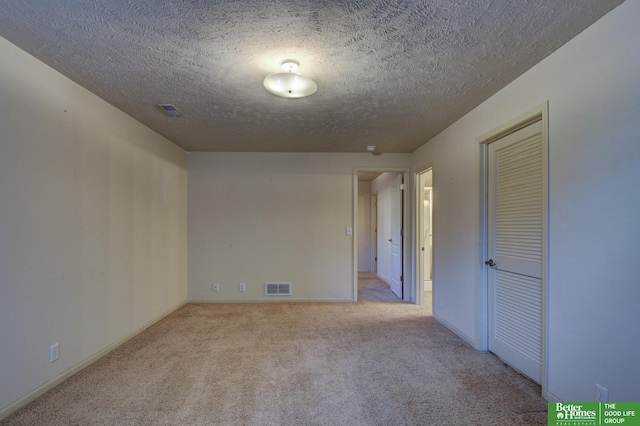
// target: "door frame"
[[374, 233], [419, 273], [408, 289], [541, 113]]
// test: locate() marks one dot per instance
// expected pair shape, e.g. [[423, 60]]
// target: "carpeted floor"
[[371, 363], [371, 289]]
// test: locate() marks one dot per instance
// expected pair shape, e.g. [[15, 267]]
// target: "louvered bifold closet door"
[[515, 245]]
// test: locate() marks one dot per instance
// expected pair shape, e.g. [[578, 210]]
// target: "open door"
[[396, 237], [374, 233], [387, 227]]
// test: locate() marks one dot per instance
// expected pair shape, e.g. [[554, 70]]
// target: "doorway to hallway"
[[424, 236], [380, 246]]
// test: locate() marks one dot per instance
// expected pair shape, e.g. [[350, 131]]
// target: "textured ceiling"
[[390, 73]]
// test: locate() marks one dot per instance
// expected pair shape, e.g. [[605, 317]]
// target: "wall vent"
[[170, 110], [277, 289]]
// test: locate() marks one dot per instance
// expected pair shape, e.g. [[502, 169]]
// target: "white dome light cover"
[[289, 84]]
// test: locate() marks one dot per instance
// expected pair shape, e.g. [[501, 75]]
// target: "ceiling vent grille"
[[277, 289], [170, 110]]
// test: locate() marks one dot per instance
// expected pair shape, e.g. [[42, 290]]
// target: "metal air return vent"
[[277, 289], [169, 109]]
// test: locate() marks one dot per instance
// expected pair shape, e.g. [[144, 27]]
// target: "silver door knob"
[[491, 263]]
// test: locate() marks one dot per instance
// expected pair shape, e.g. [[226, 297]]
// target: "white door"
[[396, 236], [515, 225]]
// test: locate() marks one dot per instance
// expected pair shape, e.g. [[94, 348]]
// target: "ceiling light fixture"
[[289, 84], [371, 148]]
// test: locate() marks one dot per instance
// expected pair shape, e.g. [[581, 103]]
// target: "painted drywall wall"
[[273, 217], [364, 226], [92, 224], [593, 88]]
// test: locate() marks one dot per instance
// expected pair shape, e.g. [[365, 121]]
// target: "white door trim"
[[396, 249], [408, 288], [538, 113], [374, 233], [419, 273]]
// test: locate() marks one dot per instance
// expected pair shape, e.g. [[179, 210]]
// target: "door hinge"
[[402, 232], [402, 187], [401, 278], [376, 259]]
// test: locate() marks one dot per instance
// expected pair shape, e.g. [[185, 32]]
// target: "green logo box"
[[593, 413]]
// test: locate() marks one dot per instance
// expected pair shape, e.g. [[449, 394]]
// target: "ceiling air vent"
[[277, 289], [170, 110]]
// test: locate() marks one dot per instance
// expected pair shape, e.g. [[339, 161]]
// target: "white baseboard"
[[468, 340], [18, 404], [384, 280], [270, 299], [551, 397]]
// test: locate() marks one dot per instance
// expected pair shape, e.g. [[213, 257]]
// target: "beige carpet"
[[370, 363]]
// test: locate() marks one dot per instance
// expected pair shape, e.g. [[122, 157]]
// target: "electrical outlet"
[[54, 352], [602, 393], [243, 286], [215, 288]]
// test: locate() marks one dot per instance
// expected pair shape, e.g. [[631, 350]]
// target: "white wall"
[[92, 225], [364, 226], [258, 217], [593, 88]]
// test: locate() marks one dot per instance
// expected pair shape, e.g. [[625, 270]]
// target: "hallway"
[[372, 289]]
